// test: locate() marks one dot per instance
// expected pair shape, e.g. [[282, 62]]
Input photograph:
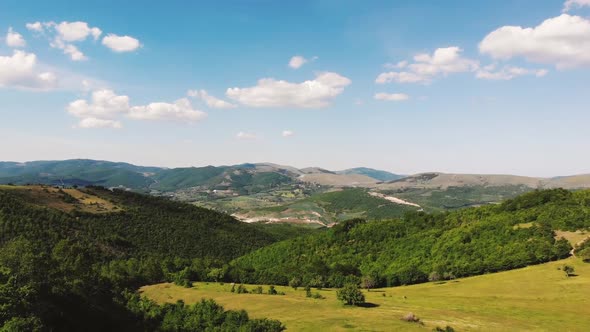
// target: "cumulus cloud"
[[105, 107], [297, 61], [35, 27], [572, 4], [76, 31], [211, 101], [64, 35], [563, 41], [104, 104], [490, 72], [442, 62], [288, 133], [391, 96], [14, 39], [120, 43], [245, 136], [269, 92], [180, 110], [21, 71]]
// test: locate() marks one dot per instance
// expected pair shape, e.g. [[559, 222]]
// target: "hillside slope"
[[421, 246]]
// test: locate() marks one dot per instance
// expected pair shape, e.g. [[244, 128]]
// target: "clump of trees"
[[202, 316], [351, 294]]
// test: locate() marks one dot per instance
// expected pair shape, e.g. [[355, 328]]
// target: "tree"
[[368, 282], [216, 274], [585, 255], [351, 294], [295, 282], [569, 270]]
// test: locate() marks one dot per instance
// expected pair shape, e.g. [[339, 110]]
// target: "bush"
[[445, 329], [585, 255], [410, 317], [241, 289], [271, 290], [569, 270], [350, 294], [257, 290], [295, 282]]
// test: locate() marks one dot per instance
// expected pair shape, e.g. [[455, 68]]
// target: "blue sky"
[[405, 86]]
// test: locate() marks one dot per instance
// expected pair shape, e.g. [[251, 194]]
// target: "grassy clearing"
[[535, 298], [573, 237], [49, 196]]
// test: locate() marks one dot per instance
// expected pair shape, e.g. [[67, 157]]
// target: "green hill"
[[420, 246], [66, 256]]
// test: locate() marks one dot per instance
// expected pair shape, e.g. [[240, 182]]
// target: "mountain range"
[[84, 172]]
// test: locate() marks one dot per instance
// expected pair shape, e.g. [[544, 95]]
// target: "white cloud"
[[64, 35], [73, 51], [180, 110], [309, 94], [391, 96], [288, 133], [426, 67], [507, 72], [211, 101], [563, 41], [401, 64], [76, 31], [245, 136], [105, 107], [20, 71], [401, 77], [14, 39], [571, 4], [120, 43], [98, 123], [35, 27], [297, 61], [104, 104]]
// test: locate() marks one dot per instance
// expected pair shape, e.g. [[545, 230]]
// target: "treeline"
[[421, 247], [73, 272]]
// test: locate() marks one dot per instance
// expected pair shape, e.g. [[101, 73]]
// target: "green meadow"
[[535, 298]]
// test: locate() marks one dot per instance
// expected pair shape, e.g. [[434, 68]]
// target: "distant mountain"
[[81, 172], [373, 173], [444, 181], [251, 178]]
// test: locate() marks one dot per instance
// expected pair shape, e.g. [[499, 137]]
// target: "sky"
[[497, 87]]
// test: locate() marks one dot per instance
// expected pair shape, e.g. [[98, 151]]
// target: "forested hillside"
[[67, 271], [421, 247]]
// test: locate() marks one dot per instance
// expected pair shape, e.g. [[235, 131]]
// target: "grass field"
[[535, 298], [49, 196]]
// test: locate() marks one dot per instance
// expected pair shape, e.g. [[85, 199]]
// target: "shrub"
[[295, 282], [445, 329], [257, 290], [271, 290], [569, 270], [350, 294], [241, 289], [585, 255], [410, 317]]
